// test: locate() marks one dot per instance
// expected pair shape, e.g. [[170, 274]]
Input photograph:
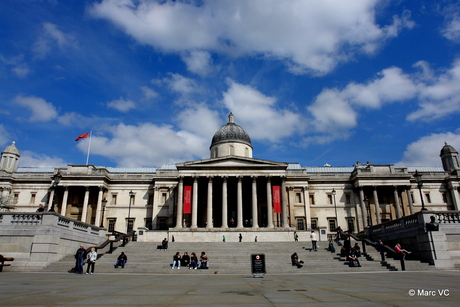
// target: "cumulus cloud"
[[451, 29], [51, 36], [425, 151], [122, 105], [198, 62], [309, 36], [148, 92], [31, 159], [4, 136], [259, 114], [147, 145], [42, 110], [199, 120], [180, 84], [16, 65], [439, 96]]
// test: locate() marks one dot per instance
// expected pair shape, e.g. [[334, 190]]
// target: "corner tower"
[[231, 140], [10, 158], [449, 157]]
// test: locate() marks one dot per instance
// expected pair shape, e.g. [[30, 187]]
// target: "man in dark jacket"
[[121, 260], [80, 257]]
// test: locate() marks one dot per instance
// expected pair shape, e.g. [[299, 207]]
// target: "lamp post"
[[418, 178], [56, 179], [104, 203], [131, 194], [335, 208], [368, 210]]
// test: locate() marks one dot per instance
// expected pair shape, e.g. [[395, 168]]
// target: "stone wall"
[[37, 239]]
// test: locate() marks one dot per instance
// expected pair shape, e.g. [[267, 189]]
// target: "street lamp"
[[368, 210], [335, 207], [131, 195], [104, 203], [418, 178], [56, 179]]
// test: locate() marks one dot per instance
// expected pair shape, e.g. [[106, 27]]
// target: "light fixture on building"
[[418, 178]]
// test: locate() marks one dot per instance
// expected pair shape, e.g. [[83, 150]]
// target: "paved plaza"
[[434, 288]]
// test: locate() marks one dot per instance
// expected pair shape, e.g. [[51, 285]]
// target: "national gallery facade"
[[231, 191]]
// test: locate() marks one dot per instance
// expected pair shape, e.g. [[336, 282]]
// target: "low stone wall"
[[37, 239], [438, 247]]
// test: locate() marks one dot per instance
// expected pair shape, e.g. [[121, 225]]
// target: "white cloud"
[[310, 36], [198, 62], [5, 137], [451, 29], [439, 96], [31, 159], [259, 114], [148, 145], [181, 84], [42, 111], [425, 151], [17, 65], [148, 92], [122, 105], [51, 36], [199, 120]]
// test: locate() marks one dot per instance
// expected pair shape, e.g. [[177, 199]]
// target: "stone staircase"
[[234, 258]]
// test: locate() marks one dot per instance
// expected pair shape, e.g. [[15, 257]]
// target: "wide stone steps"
[[227, 258]]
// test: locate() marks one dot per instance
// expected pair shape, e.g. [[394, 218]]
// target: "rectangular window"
[[130, 225], [148, 223], [329, 199], [312, 199], [114, 199], [300, 224], [332, 225], [111, 227], [314, 223], [428, 198], [351, 224], [15, 198], [164, 197], [132, 199], [298, 198], [33, 196], [444, 198], [347, 199], [412, 197]]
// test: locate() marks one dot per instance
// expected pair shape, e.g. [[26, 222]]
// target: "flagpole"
[[89, 146]]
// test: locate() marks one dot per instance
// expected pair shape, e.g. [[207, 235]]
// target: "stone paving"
[[429, 288]]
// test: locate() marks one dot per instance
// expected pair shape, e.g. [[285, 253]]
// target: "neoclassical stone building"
[[231, 191]]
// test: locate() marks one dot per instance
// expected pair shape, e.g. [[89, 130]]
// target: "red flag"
[[276, 199], [82, 136], [188, 199]]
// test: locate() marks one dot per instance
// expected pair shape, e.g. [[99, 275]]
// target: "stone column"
[[363, 207], [255, 218], [269, 204], [50, 199], [195, 203], [209, 221], [98, 208], [239, 203], [180, 203], [306, 198], [409, 198], [64, 201], [455, 197], [397, 207], [85, 205], [377, 206], [224, 203], [284, 201]]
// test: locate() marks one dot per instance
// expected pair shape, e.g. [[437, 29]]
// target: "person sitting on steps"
[[176, 261], [353, 260], [204, 261], [121, 261], [295, 260]]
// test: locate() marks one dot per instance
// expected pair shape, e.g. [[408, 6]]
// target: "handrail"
[[118, 237]]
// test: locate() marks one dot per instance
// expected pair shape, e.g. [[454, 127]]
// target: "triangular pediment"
[[232, 162]]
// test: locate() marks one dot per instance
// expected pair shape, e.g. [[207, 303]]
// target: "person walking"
[[91, 260], [80, 257], [314, 241], [296, 236], [240, 237]]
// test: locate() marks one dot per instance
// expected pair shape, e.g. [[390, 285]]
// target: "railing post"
[[382, 254], [111, 248], [403, 264]]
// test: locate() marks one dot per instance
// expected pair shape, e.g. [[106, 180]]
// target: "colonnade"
[[224, 203]]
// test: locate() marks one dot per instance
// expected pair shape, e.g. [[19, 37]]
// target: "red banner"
[[188, 199], [276, 199]]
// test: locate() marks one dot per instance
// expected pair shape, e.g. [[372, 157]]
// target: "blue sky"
[[312, 82]]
